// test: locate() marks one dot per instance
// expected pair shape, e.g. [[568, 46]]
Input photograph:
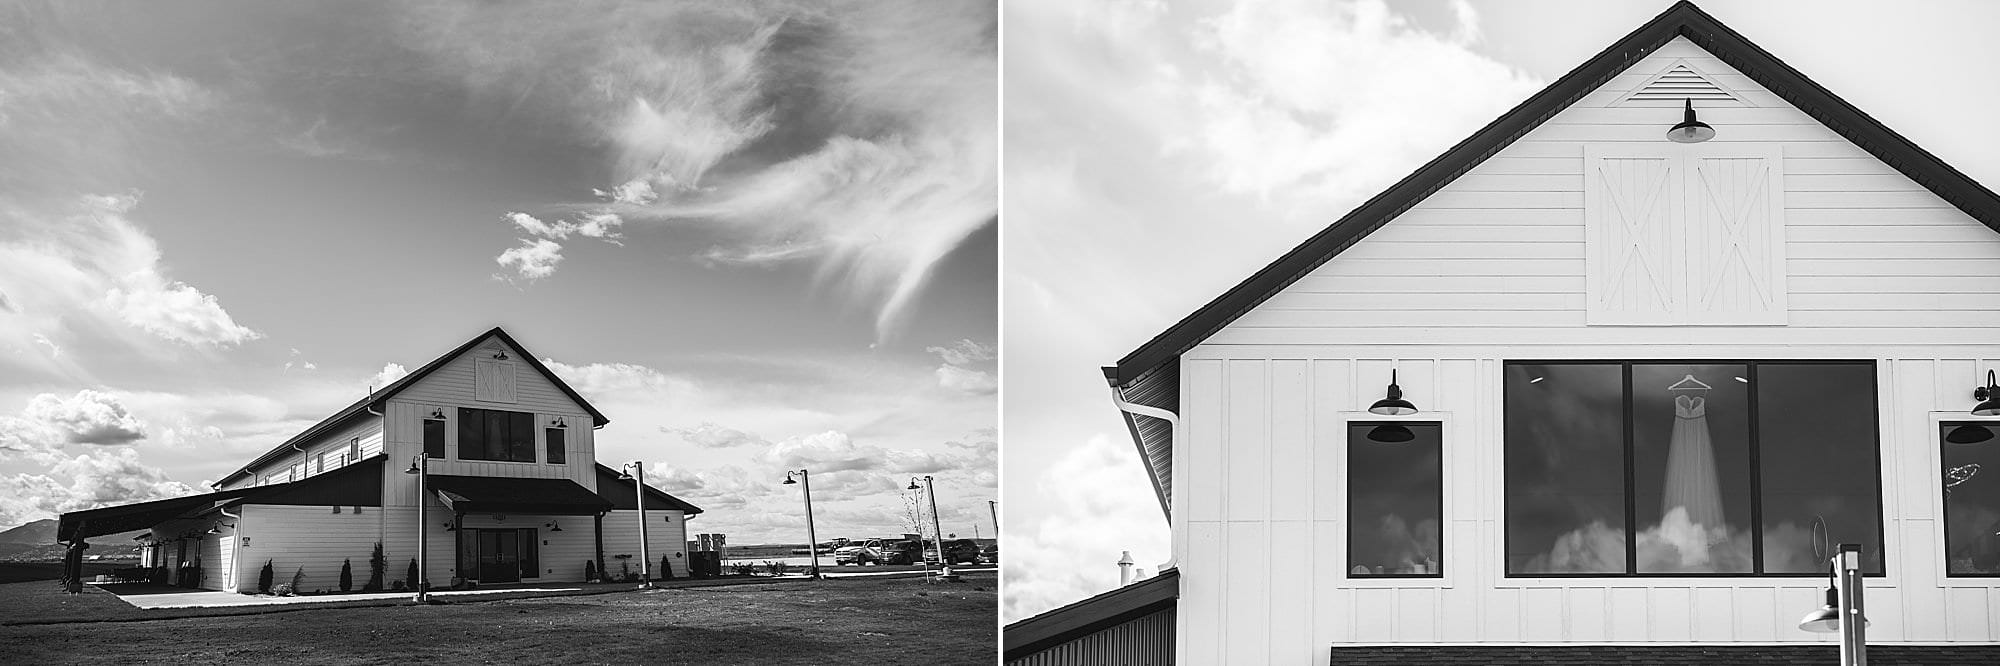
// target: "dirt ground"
[[851, 621]]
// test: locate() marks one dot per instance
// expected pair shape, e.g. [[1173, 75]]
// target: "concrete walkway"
[[146, 595]]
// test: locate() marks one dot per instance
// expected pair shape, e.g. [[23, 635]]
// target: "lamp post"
[[993, 508], [937, 532], [420, 465], [804, 480], [1843, 611], [635, 472]]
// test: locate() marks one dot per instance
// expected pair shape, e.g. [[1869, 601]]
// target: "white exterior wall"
[[560, 554], [312, 537], [451, 387], [666, 534], [1492, 268], [368, 429]]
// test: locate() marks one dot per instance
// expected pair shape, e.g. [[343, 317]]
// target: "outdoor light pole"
[[993, 508], [636, 470], [420, 465], [812, 538], [1844, 610], [937, 532]]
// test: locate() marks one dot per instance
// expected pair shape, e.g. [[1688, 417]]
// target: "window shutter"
[[1684, 235], [1631, 203], [1736, 236], [493, 381]]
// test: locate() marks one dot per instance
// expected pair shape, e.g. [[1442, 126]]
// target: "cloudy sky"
[[1157, 155], [757, 235]]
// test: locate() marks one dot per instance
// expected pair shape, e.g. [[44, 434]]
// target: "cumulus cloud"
[[92, 263], [954, 374], [534, 259], [1097, 521], [712, 436], [99, 478], [857, 136], [89, 417], [390, 372]]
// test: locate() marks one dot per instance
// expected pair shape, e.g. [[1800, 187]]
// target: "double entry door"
[[498, 555]]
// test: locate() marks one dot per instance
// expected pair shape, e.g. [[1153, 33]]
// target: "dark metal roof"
[[621, 495], [1664, 655], [505, 495], [359, 484], [1090, 615], [1683, 19], [373, 401]]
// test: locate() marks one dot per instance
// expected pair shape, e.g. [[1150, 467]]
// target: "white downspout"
[[235, 548]]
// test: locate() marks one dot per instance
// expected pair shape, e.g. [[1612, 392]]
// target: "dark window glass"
[[555, 440], [354, 449], [434, 437], [1395, 501], [531, 560], [1691, 468], [1565, 469], [1971, 498], [485, 434], [1817, 444], [1734, 468]]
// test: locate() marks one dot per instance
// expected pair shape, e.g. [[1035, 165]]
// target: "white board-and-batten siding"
[[309, 538], [1493, 268], [666, 534]]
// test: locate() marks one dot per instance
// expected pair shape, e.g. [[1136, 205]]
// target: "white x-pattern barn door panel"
[[1684, 235]]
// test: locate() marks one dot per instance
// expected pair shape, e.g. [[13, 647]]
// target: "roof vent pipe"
[[1125, 568]]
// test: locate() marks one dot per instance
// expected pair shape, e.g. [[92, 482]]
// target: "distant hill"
[[39, 533], [37, 541]]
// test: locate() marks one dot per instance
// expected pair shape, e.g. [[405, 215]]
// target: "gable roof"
[[1683, 19], [373, 402], [620, 494], [1149, 375], [358, 484]]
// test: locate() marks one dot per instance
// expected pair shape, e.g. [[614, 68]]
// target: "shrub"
[[589, 570], [264, 578], [743, 569], [299, 580], [347, 575], [414, 578], [399, 587], [378, 570], [776, 568], [666, 570], [282, 589]]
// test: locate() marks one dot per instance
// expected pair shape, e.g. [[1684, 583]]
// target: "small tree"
[[347, 575], [378, 570], [264, 578], [299, 581], [415, 583], [589, 570], [666, 570]]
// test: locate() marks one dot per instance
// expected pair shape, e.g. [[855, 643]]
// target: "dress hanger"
[[1689, 383]]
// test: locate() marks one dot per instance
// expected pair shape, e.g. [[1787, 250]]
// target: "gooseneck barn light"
[[1690, 130], [1989, 397], [1393, 404]]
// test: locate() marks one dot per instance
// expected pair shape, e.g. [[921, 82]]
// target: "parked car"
[[957, 551], [866, 553], [991, 553]]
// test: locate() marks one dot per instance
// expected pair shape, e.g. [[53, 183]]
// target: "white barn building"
[[1651, 379], [515, 492]]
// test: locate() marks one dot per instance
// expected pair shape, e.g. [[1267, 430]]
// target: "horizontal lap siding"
[[310, 537], [666, 534], [1492, 268], [367, 427]]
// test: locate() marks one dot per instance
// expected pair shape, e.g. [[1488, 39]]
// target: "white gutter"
[[1118, 398]]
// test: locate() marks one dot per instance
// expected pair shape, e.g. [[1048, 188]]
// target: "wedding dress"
[[1692, 484]]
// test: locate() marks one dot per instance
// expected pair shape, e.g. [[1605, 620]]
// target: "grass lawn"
[[847, 621], [15, 572]]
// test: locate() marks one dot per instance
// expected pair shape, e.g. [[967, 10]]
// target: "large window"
[[1395, 506], [1971, 480], [1689, 468], [489, 434]]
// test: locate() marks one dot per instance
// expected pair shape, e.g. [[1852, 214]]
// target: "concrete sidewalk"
[[146, 595]]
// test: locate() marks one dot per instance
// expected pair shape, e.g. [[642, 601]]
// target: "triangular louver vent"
[[1681, 82]]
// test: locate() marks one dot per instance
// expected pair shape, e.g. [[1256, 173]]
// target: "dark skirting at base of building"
[[1663, 655]]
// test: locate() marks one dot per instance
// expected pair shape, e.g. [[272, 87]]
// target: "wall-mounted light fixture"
[[1989, 397], [1690, 130], [437, 414], [554, 526], [1394, 404], [451, 526], [558, 423], [502, 354]]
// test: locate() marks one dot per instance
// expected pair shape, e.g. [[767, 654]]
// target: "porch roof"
[[359, 484], [503, 495]]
